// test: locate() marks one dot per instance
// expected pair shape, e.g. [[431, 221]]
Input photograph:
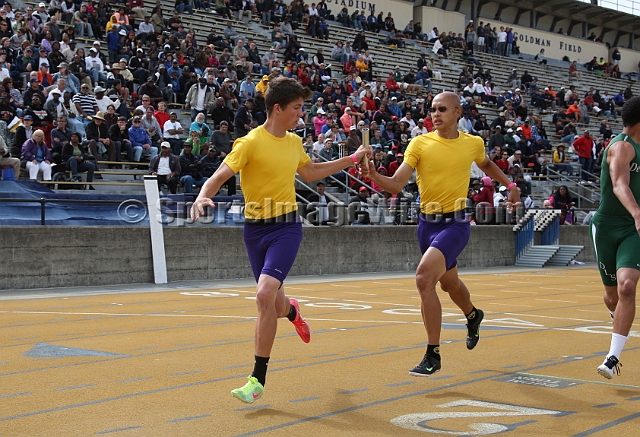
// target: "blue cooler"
[[6, 173]]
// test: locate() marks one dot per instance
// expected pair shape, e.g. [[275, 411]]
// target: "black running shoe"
[[428, 366], [473, 330], [610, 367]]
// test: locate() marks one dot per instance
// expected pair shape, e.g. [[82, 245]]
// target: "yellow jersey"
[[267, 166], [443, 169]]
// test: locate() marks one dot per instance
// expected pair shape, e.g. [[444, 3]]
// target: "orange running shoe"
[[302, 328]]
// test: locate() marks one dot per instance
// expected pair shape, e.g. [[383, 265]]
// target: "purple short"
[[449, 236], [272, 248]]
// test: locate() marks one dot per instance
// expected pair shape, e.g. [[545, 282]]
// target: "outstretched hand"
[[197, 209], [363, 154]]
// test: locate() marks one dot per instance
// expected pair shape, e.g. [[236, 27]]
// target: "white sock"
[[617, 344]]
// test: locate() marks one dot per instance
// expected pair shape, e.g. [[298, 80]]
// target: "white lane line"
[[554, 318], [553, 288], [345, 286], [558, 300], [508, 304], [402, 289], [590, 297], [388, 283], [355, 292], [69, 313]]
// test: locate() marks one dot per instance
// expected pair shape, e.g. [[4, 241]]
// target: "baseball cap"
[[99, 89], [348, 109], [265, 77], [34, 80], [328, 140], [321, 111], [518, 152], [475, 182], [204, 80], [502, 188], [352, 128], [509, 130], [546, 89], [362, 189], [517, 89], [27, 117], [92, 49], [162, 66], [42, 5], [165, 144], [96, 43], [421, 120], [400, 155]]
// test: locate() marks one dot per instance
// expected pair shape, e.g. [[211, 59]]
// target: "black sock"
[[292, 313], [260, 369], [433, 351], [471, 317]]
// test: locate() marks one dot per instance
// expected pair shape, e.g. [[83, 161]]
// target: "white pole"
[[155, 226]]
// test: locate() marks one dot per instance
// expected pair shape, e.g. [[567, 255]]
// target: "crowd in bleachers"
[[118, 92]]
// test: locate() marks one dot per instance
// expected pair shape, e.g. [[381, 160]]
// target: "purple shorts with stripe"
[[272, 248], [449, 236]]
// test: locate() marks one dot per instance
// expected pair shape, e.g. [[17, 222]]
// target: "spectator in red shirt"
[[393, 166], [486, 193], [503, 162], [584, 146], [391, 84]]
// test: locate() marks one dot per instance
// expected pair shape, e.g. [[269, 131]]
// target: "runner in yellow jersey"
[[268, 159], [442, 160]]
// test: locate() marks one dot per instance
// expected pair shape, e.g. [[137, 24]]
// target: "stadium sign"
[[544, 42], [353, 4]]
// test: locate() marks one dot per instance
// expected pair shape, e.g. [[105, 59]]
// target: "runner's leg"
[[431, 268]]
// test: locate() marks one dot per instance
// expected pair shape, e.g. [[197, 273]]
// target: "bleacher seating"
[[555, 73]]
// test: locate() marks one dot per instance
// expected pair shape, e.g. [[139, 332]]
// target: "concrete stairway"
[[537, 256], [564, 255]]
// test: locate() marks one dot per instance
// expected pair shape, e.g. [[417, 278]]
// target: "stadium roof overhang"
[[575, 11]]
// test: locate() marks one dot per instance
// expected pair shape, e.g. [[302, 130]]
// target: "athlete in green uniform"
[[615, 230]]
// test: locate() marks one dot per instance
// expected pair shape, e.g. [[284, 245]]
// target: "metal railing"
[[571, 183], [524, 238], [43, 203], [551, 235]]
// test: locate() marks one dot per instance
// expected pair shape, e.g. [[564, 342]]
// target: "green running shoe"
[[250, 392]]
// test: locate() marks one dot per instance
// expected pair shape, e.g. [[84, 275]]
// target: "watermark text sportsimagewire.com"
[[339, 214]]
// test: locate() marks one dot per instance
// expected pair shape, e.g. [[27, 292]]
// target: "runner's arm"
[[312, 171], [393, 184], [493, 171]]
